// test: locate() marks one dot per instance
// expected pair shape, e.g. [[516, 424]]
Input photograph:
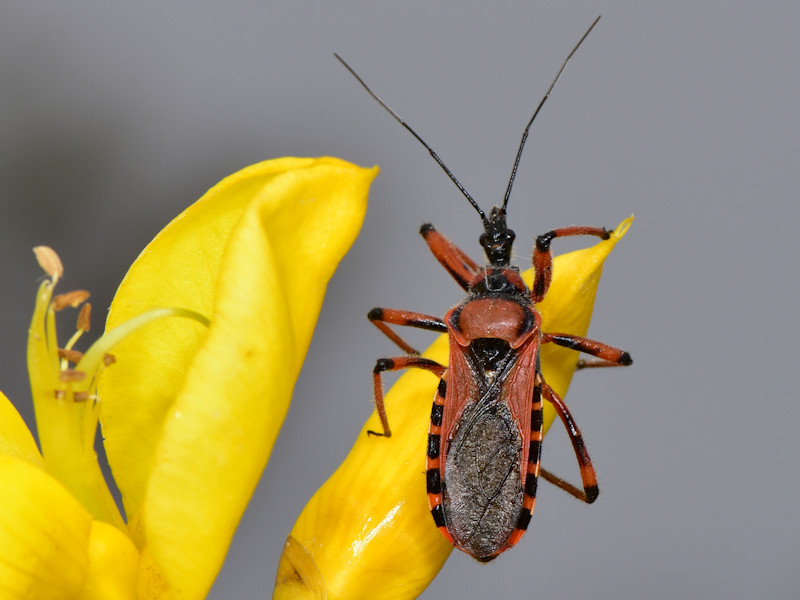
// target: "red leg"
[[563, 484], [395, 364], [381, 316], [451, 257], [596, 363], [543, 258], [609, 355], [588, 477]]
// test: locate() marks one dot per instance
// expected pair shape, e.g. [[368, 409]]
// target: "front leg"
[[382, 317], [543, 257], [460, 266], [395, 364]]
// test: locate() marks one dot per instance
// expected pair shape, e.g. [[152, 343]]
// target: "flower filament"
[[65, 401]]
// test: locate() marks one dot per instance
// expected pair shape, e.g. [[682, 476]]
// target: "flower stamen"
[[85, 317], [49, 261], [63, 383], [70, 355], [74, 299], [67, 354], [71, 375], [68, 348]]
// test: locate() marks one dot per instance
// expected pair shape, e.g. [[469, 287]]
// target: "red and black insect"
[[485, 434]]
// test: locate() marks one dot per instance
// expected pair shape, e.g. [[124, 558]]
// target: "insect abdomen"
[[482, 493]]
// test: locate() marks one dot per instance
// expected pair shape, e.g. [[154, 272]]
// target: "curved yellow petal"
[[15, 437], [367, 532], [113, 562], [196, 446], [179, 268], [44, 533]]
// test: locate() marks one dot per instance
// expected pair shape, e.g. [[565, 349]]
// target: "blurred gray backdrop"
[[116, 116]]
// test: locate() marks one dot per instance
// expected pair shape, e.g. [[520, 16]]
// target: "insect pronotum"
[[484, 440]]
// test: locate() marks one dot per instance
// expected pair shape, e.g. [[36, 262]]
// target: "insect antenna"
[[419, 139], [536, 112]]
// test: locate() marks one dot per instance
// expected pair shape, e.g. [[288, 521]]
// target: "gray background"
[[114, 118]]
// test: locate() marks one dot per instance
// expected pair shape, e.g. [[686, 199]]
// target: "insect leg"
[[608, 355], [460, 266], [595, 363], [590, 490], [395, 364], [543, 258], [381, 316]]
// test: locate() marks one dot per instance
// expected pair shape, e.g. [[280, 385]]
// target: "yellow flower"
[[367, 532], [191, 407]]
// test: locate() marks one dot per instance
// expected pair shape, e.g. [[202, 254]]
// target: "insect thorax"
[[499, 281]]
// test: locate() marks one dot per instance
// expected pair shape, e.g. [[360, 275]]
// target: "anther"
[[74, 299], [72, 356], [49, 261], [71, 375], [85, 317]]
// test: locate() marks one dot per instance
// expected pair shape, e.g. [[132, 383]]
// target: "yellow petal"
[[44, 533], [206, 407], [179, 268], [367, 532], [15, 438], [113, 562]]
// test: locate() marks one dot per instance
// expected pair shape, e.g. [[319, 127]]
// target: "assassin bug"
[[485, 433]]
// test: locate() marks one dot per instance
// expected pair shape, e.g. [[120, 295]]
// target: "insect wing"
[[484, 450]]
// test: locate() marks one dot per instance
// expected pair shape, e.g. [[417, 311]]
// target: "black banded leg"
[[590, 490], [395, 364], [382, 317], [460, 266], [608, 355], [543, 258]]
